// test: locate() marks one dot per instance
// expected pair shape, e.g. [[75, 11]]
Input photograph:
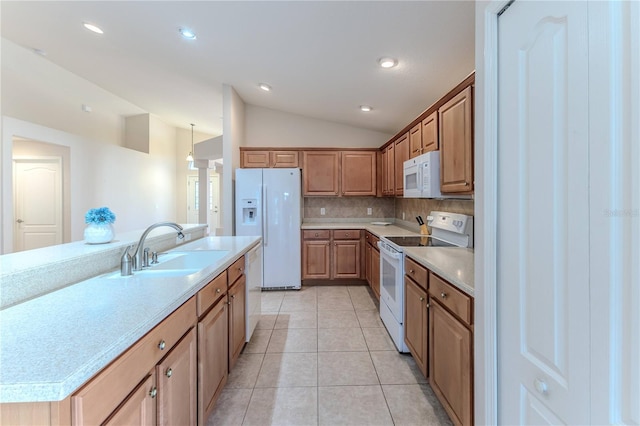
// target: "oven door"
[[391, 282]]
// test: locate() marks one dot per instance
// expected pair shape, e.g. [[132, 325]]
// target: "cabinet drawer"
[[346, 234], [372, 239], [97, 399], [316, 234], [455, 300], [417, 272], [213, 291], [235, 271]]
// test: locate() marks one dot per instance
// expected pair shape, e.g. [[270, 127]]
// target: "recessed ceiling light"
[[93, 28], [365, 108], [387, 62], [265, 87], [187, 33]]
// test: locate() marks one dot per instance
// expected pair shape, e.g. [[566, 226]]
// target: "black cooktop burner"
[[426, 241]]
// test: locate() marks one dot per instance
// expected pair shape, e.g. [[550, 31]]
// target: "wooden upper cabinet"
[[456, 143], [430, 133], [255, 159], [401, 153], [284, 159], [320, 172], [415, 140], [268, 158], [358, 173]]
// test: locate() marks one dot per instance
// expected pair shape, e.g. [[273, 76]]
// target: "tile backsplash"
[[348, 207], [381, 208]]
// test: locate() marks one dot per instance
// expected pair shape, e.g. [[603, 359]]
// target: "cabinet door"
[[401, 155], [213, 352], [450, 363], [415, 322], [177, 378], [346, 259], [391, 167], [255, 159], [430, 133], [315, 259], [237, 321], [456, 143], [283, 159], [320, 172], [375, 272], [415, 140], [358, 173], [140, 407]]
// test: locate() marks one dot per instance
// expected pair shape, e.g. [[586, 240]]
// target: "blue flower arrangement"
[[100, 216]]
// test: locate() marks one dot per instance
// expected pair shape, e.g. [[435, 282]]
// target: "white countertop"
[[51, 345], [451, 263]]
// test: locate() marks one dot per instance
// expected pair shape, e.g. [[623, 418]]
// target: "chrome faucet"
[[140, 257]]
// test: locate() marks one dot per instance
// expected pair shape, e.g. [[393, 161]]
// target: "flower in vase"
[[100, 216]]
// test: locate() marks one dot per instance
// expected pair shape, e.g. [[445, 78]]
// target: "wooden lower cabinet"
[[237, 322], [140, 407], [213, 343], [375, 272], [415, 322], [315, 259], [177, 379], [451, 363], [346, 259]]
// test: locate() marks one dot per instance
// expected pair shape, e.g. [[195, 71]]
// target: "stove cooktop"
[[426, 241]]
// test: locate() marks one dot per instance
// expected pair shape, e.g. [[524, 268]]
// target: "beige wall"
[[270, 128]]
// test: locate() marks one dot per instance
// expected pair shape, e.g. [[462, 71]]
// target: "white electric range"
[[447, 230]]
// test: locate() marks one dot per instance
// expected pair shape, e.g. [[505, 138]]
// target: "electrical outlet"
[[322, 211], [369, 211], [402, 215]]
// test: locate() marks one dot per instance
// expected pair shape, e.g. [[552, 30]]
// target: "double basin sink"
[[177, 263]]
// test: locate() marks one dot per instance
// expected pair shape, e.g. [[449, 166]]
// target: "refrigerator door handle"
[[265, 222]]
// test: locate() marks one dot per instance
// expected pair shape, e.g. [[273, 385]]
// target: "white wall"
[[139, 188], [270, 128], [233, 138]]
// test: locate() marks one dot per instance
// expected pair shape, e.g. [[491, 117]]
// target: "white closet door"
[[543, 214]]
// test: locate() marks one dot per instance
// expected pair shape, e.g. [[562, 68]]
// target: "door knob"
[[19, 220], [541, 386]]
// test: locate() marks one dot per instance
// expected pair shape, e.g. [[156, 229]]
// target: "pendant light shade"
[[190, 156]]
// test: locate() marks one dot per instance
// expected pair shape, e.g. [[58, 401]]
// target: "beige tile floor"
[[321, 356]]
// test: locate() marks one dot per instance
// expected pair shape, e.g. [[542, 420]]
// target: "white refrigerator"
[[268, 204]]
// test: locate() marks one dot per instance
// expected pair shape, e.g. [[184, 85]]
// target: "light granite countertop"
[[451, 263], [54, 343]]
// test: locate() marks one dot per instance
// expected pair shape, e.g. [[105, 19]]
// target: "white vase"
[[98, 233]]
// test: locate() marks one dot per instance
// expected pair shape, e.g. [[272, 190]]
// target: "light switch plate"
[[369, 211], [322, 211]]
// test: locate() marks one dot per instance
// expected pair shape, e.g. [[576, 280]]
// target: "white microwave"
[[422, 176]]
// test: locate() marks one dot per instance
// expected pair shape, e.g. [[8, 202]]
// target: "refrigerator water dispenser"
[[249, 211]]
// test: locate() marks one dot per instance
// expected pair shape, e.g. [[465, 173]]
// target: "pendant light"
[[190, 156]]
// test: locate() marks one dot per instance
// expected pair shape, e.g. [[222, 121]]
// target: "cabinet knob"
[[366, 237], [466, 183], [169, 372], [233, 296], [411, 271], [428, 305], [421, 298], [347, 234], [218, 290], [162, 345], [153, 392], [316, 234], [336, 192], [443, 295]]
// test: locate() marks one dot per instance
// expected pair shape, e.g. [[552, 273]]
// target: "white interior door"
[[192, 199], [543, 214], [37, 202]]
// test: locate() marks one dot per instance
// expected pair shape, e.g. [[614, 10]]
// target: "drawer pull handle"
[[443, 295], [153, 392], [218, 290], [169, 372], [162, 345]]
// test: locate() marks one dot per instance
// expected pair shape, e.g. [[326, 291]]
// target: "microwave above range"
[[421, 176]]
